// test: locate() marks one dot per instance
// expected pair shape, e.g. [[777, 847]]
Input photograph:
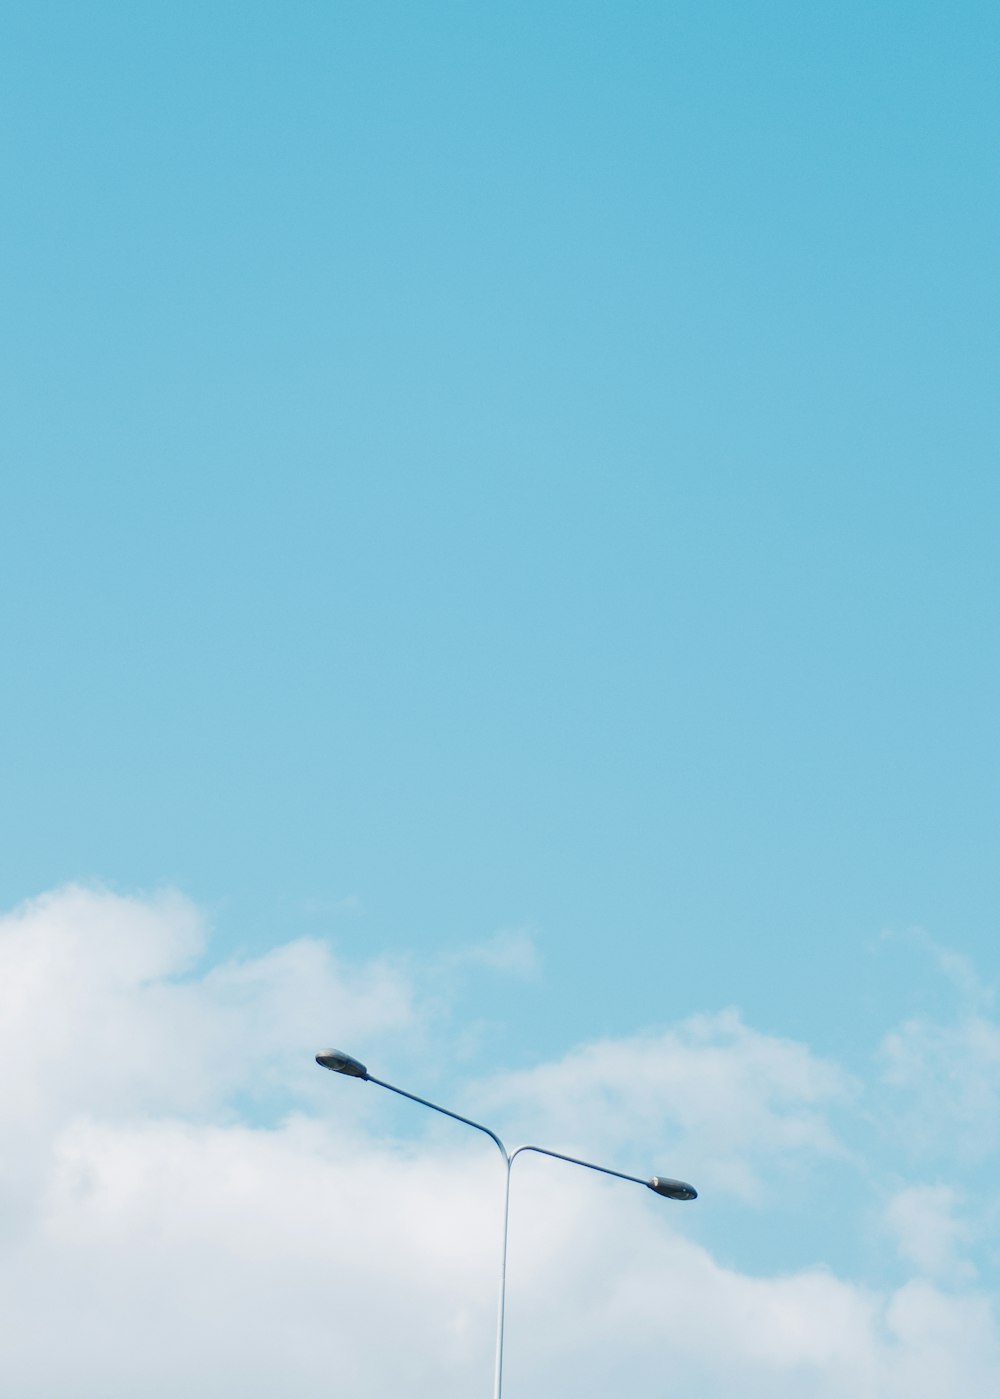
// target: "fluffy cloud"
[[929, 1233], [711, 1092], [168, 1229], [511, 951], [947, 1079], [944, 1074], [102, 1009]]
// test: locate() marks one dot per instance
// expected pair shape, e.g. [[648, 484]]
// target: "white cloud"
[[172, 1246], [102, 1014], [512, 951], [954, 966], [943, 1075], [101, 1010], [928, 1233], [947, 1084], [711, 1095]]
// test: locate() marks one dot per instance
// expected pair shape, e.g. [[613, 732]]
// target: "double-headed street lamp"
[[663, 1185]]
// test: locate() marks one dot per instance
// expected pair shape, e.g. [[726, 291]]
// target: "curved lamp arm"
[[663, 1185], [353, 1068]]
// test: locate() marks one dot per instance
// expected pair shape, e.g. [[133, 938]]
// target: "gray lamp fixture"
[[341, 1063]]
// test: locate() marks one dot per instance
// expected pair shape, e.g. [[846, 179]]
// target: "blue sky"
[[508, 494]]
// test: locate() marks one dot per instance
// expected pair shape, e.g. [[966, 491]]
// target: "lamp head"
[[341, 1063], [672, 1189]]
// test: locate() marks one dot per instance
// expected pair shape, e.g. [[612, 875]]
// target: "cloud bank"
[[189, 1206]]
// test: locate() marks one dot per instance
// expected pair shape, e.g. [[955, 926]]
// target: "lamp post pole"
[[662, 1185]]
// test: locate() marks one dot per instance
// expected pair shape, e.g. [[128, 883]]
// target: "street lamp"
[[342, 1063]]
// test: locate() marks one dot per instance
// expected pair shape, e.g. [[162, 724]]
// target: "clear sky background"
[[499, 514]]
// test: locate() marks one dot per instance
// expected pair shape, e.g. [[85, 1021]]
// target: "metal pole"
[[502, 1302], [447, 1112], [508, 1158]]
